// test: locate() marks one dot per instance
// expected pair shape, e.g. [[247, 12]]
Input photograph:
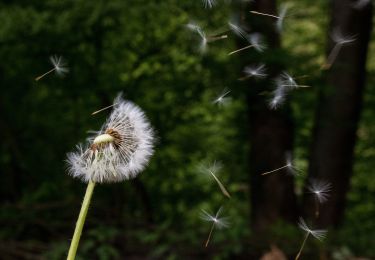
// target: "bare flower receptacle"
[[104, 138]]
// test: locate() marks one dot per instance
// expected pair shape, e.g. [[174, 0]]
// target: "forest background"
[[145, 50]]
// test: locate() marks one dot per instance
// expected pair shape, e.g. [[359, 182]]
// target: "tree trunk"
[[339, 110], [271, 139]]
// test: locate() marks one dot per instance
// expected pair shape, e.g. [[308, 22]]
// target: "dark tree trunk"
[[339, 110], [271, 139]]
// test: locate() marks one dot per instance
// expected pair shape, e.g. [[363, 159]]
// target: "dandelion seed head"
[[319, 234], [320, 189], [256, 71], [119, 151], [255, 39], [59, 64]]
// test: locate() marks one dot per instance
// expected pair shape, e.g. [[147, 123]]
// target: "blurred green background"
[[143, 49]]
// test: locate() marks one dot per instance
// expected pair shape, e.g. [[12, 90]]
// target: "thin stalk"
[[302, 246], [209, 235], [244, 48], [216, 38], [48, 72], [81, 221], [264, 14], [100, 110], [332, 56], [285, 166], [225, 192]]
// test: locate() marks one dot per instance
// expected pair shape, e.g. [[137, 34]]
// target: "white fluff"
[[106, 161]]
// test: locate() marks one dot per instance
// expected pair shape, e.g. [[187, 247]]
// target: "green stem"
[[81, 221]]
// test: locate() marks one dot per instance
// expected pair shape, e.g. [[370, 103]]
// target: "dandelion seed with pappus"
[[119, 151], [59, 67], [278, 95], [340, 41], [289, 166], [359, 4], [209, 3], [202, 35], [320, 189], [255, 40], [213, 169], [256, 71], [222, 99], [238, 30], [288, 81], [317, 233], [282, 15], [217, 221]]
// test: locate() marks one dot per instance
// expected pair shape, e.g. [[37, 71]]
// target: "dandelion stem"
[[81, 221], [269, 15], [41, 76], [285, 166], [209, 235], [225, 192], [244, 48], [302, 246]]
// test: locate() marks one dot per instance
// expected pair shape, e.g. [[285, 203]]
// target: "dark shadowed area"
[[277, 104]]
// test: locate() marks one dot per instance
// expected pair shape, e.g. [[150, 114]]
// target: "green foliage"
[[143, 49]]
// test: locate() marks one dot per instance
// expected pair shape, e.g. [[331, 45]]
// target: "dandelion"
[[340, 41], [289, 166], [256, 71], [222, 99], [209, 3], [59, 67], [217, 221], [213, 169], [119, 151], [320, 189], [317, 233]]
